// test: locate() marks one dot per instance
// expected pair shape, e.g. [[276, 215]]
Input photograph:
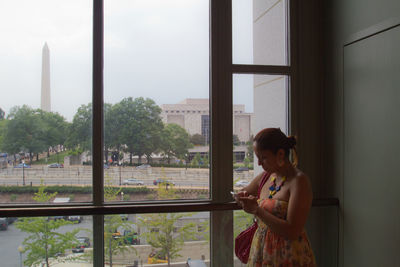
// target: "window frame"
[[220, 204]]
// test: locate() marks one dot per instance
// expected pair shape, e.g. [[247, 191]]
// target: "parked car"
[[56, 165], [131, 238], [11, 220], [124, 217], [3, 224], [75, 218], [162, 181], [22, 165], [55, 218], [133, 181], [83, 242], [241, 169], [242, 183], [106, 166], [195, 263], [143, 166]]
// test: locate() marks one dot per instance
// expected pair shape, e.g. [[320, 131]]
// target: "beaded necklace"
[[274, 188]]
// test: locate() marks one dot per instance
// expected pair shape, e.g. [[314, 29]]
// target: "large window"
[[117, 124]]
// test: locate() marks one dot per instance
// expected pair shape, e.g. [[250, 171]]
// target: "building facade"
[[193, 114]]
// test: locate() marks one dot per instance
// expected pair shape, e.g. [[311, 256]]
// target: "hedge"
[[65, 189]]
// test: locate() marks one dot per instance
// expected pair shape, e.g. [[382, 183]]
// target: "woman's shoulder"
[[300, 179]]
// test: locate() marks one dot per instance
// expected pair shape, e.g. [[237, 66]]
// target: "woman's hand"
[[238, 195], [249, 203]]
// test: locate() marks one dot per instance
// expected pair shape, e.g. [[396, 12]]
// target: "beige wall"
[[242, 126], [177, 119], [270, 91]]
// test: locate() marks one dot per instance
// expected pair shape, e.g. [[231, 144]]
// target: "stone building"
[[193, 115]]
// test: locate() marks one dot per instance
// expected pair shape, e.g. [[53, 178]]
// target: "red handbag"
[[244, 239]]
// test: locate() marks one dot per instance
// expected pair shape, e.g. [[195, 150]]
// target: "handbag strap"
[[262, 183]]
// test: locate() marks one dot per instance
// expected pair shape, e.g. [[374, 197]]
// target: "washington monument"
[[45, 103]]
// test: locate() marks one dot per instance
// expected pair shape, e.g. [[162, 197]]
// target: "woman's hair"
[[274, 139]]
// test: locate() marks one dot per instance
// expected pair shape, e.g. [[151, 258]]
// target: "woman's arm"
[[300, 201], [251, 189]]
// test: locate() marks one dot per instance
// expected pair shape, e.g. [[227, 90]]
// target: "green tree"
[[45, 240], [142, 126], [165, 190], [3, 128], [165, 235], [196, 160], [113, 241], [163, 231], [80, 131], [109, 129], [198, 140], [250, 150], [206, 160], [246, 162], [175, 142], [24, 132], [127, 133], [2, 114], [236, 140], [115, 117], [55, 131], [150, 128]]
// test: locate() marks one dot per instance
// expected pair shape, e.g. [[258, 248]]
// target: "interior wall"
[[307, 115], [346, 130]]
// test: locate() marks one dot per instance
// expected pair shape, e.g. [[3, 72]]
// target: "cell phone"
[[233, 194]]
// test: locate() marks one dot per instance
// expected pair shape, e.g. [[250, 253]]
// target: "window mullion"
[[221, 130], [292, 34], [261, 69], [97, 130]]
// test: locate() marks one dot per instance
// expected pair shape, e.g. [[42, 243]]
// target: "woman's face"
[[267, 159]]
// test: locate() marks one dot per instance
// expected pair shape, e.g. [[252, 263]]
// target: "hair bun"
[[291, 141]]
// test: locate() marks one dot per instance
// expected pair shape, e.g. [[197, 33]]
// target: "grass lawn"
[[54, 158]]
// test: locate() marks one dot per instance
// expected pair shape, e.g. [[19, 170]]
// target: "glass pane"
[[141, 239], [259, 101], [156, 99], [45, 108], [241, 221], [259, 32], [69, 241]]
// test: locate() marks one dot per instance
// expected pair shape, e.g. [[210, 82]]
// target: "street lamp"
[[23, 172], [21, 250], [119, 163]]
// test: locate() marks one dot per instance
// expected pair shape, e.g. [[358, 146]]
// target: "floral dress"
[[269, 249]]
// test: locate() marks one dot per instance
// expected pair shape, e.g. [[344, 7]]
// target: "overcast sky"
[[153, 48]]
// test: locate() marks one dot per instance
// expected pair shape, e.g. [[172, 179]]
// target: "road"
[[12, 238]]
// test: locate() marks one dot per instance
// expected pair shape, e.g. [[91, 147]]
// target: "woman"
[[282, 209]]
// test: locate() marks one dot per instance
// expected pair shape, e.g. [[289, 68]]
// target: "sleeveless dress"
[[269, 249]]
